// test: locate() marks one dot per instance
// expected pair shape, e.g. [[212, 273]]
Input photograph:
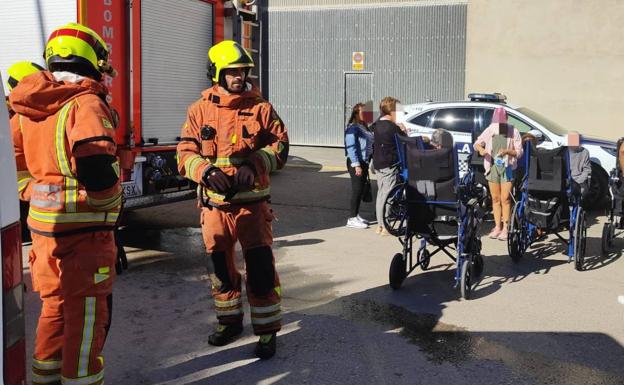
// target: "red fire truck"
[[159, 49]]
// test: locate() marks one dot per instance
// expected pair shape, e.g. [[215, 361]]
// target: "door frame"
[[344, 89]]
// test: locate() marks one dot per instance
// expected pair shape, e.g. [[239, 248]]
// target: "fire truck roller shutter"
[[174, 42]]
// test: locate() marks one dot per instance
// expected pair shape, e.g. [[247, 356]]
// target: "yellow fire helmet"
[[20, 70], [227, 54], [76, 48]]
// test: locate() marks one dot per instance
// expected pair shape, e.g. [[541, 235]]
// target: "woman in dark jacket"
[[385, 156], [358, 148]]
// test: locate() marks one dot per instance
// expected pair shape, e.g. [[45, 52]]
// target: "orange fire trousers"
[[74, 277], [250, 224]]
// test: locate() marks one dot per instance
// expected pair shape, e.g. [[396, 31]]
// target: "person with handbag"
[[358, 149]]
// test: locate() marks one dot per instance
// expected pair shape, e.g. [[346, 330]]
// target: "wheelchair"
[[615, 220], [394, 210], [435, 206], [548, 202]]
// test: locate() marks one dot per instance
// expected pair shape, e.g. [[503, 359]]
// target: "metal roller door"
[[175, 37], [26, 25]]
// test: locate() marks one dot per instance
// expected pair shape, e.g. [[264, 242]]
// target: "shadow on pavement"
[[380, 336], [305, 197]]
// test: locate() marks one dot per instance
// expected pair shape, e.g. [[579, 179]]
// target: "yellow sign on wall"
[[357, 61]]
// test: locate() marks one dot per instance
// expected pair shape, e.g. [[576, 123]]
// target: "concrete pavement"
[[536, 322]]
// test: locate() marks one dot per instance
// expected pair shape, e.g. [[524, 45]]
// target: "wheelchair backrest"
[[430, 165], [402, 142], [432, 173], [548, 170]]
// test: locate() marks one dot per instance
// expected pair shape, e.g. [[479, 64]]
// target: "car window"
[[544, 121], [423, 120], [483, 117], [521, 125], [455, 119]]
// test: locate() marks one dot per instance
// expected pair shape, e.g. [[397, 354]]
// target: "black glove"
[[216, 180], [245, 176]]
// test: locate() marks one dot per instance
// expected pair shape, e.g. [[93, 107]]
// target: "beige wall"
[[562, 58]]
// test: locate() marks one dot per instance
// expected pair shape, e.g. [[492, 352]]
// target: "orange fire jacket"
[[228, 130], [62, 132]]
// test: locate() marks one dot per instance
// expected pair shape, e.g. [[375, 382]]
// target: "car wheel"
[[598, 188]]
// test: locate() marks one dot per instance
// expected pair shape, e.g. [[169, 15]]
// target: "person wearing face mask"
[[500, 146], [231, 141], [580, 165]]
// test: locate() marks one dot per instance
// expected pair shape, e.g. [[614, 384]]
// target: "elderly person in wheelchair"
[[550, 199], [436, 207]]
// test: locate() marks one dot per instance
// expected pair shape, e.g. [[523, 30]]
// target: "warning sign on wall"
[[357, 61]]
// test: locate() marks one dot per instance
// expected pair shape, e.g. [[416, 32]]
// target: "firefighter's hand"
[[216, 180], [245, 176]]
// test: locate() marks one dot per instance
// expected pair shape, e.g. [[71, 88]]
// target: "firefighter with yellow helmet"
[[16, 72], [75, 197], [20, 70], [231, 141]]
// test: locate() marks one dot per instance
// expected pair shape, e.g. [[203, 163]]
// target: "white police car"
[[467, 119]]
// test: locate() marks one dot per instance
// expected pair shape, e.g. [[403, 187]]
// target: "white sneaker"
[[356, 224], [365, 221]]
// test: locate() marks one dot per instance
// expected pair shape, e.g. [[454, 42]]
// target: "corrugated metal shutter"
[[174, 43], [415, 49], [26, 25]]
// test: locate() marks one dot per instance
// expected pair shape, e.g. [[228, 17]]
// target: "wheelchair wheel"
[[424, 258], [580, 239], [517, 235], [466, 279], [395, 211], [607, 238], [397, 271]]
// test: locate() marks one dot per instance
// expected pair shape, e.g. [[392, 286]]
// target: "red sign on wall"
[[109, 19]]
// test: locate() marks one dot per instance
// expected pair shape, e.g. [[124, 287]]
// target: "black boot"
[[225, 334], [266, 346]]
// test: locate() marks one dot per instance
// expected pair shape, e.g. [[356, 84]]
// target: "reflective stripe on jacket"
[[226, 131], [50, 140]]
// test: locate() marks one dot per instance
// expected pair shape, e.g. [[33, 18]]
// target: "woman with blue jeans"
[[359, 149]]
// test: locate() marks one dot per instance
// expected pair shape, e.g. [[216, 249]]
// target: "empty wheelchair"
[[548, 205], [439, 209], [615, 221]]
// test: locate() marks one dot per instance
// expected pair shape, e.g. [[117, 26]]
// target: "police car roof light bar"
[[483, 97]]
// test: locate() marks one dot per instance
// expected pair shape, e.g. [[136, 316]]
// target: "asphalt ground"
[[535, 322]]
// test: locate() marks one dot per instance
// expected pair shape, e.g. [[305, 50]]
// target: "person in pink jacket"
[[500, 146]]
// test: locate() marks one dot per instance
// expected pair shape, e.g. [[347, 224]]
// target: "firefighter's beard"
[[237, 85]]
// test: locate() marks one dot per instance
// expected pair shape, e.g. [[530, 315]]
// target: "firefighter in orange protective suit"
[[64, 141], [16, 73], [231, 140]]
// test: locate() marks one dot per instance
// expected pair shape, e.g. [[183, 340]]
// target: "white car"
[[13, 352], [465, 120]]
